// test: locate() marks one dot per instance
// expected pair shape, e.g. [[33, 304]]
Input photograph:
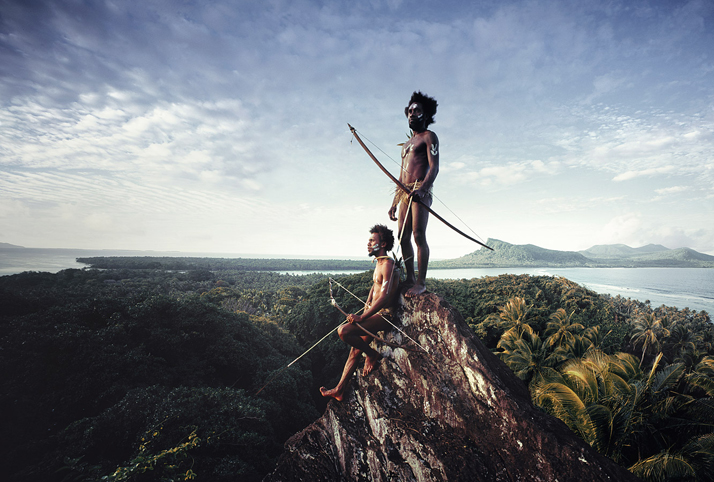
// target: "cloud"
[[636, 229], [673, 190], [510, 174], [129, 109], [451, 166], [556, 205], [173, 142], [626, 176]]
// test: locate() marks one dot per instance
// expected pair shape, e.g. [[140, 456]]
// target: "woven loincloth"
[[402, 197]]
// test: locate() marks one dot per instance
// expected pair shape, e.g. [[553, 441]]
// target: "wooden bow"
[[401, 186], [334, 303]]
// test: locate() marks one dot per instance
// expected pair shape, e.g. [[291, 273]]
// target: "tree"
[[642, 420], [527, 355], [512, 316], [561, 330], [680, 342], [648, 332], [593, 396]]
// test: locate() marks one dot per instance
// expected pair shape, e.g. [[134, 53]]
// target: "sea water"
[[691, 288], [681, 287]]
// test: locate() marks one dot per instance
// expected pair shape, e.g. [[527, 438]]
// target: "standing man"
[[420, 166], [379, 305]]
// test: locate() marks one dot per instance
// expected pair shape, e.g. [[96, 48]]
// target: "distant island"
[[507, 255], [504, 255]]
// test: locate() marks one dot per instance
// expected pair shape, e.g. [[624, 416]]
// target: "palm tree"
[[593, 334], [640, 419], [702, 377], [594, 396], [681, 340], [527, 355], [561, 330], [691, 462], [579, 346], [512, 316], [648, 331]]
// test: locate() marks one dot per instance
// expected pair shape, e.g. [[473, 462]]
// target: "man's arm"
[[432, 156], [379, 297], [369, 298]]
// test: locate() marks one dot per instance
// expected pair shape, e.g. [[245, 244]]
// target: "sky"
[[221, 126]]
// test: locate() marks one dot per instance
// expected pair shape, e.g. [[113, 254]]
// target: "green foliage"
[[479, 298], [652, 417], [151, 374], [214, 264], [312, 317], [90, 367], [168, 463]]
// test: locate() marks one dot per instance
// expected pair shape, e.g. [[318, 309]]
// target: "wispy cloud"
[[673, 190], [626, 176], [155, 114], [510, 174]]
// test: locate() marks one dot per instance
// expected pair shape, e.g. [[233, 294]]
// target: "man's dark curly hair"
[[385, 235], [428, 103]]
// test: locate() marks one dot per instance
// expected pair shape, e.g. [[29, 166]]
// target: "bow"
[[401, 186], [334, 303]]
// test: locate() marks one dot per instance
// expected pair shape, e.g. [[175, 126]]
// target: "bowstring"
[[402, 168], [380, 314], [309, 349]]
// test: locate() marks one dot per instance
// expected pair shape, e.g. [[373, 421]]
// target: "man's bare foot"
[[334, 393], [415, 290], [370, 363]]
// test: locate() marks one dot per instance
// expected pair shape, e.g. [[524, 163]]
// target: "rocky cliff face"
[[457, 413]]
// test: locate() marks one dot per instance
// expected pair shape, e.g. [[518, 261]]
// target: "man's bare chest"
[[414, 149]]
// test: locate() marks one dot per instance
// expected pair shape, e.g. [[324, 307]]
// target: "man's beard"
[[417, 125]]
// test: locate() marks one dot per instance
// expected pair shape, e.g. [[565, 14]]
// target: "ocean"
[[691, 288]]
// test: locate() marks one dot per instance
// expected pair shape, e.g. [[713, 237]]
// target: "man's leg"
[[406, 242], [359, 340], [355, 337], [338, 392], [420, 218]]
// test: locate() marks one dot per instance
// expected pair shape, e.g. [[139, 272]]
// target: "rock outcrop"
[[457, 413]]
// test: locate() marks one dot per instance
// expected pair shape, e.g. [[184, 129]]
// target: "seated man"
[[380, 302]]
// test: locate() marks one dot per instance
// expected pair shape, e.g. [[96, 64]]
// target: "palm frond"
[[561, 401], [664, 466], [701, 381], [583, 378], [667, 377]]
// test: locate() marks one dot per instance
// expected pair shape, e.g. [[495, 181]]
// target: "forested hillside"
[[179, 263], [143, 374], [506, 255]]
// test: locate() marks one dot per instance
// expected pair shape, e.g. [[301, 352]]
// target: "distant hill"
[[10, 246], [675, 257], [612, 251], [507, 255]]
